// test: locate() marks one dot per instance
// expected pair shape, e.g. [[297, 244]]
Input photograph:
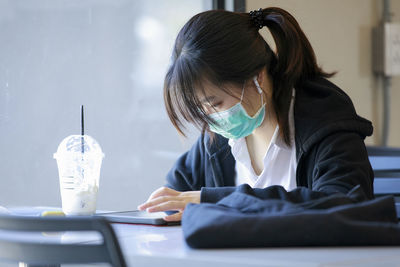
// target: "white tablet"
[[137, 217]]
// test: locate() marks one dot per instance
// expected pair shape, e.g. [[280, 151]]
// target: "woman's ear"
[[264, 80], [262, 77]]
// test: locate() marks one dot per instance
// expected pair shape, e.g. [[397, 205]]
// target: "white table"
[[164, 246]]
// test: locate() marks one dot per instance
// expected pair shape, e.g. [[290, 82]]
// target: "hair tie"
[[257, 17]]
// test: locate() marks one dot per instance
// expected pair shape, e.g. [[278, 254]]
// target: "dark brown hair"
[[225, 47]]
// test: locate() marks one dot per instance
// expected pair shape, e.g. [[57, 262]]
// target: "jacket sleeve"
[[341, 163], [187, 174], [337, 164]]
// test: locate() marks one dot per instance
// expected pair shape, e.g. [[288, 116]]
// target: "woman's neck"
[[258, 142], [264, 133]]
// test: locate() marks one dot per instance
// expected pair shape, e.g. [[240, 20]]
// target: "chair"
[[384, 158], [385, 162], [35, 252], [387, 182]]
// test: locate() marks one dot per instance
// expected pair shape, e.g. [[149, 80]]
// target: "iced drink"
[[79, 159]]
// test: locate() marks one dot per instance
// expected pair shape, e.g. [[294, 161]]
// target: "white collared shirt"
[[279, 161]]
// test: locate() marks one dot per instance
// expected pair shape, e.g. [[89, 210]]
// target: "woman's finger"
[[174, 217], [169, 205], [155, 201], [163, 191]]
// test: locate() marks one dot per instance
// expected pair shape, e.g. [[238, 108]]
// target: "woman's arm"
[[335, 165], [184, 178], [341, 163], [187, 174]]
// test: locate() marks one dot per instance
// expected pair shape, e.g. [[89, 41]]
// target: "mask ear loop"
[[241, 97], [260, 91]]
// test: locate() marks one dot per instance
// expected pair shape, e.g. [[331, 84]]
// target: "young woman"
[[267, 117]]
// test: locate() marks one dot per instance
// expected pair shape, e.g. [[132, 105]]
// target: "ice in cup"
[[79, 159]]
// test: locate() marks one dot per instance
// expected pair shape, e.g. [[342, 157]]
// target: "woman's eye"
[[213, 107], [216, 104]]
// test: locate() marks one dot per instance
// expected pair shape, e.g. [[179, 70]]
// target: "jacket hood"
[[321, 109]]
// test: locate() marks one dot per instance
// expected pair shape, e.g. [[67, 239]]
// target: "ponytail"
[[294, 62], [296, 57]]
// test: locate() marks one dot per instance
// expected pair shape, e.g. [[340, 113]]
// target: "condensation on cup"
[[79, 159]]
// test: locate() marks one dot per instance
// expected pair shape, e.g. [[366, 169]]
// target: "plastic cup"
[[79, 159]]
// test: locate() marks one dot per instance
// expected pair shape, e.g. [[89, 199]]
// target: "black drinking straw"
[[82, 128]]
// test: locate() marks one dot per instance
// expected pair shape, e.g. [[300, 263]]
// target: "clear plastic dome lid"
[[79, 144]]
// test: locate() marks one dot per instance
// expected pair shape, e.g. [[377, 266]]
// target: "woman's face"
[[217, 100]]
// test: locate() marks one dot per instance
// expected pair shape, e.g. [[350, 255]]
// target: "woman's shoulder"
[[321, 89], [322, 108], [213, 143], [321, 99]]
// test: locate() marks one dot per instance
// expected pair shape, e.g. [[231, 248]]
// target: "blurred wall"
[[111, 56], [340, 32]]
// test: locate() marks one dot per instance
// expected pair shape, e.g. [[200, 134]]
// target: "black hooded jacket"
[[330, 150]]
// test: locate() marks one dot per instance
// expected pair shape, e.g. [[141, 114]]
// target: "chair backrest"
[[385, 162], [384, 158], [387, 182], [34, 251]]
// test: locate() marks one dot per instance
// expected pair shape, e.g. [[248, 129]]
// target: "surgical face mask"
[[235, 123]]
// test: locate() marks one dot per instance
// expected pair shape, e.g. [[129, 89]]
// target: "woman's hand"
[[165, 198]]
